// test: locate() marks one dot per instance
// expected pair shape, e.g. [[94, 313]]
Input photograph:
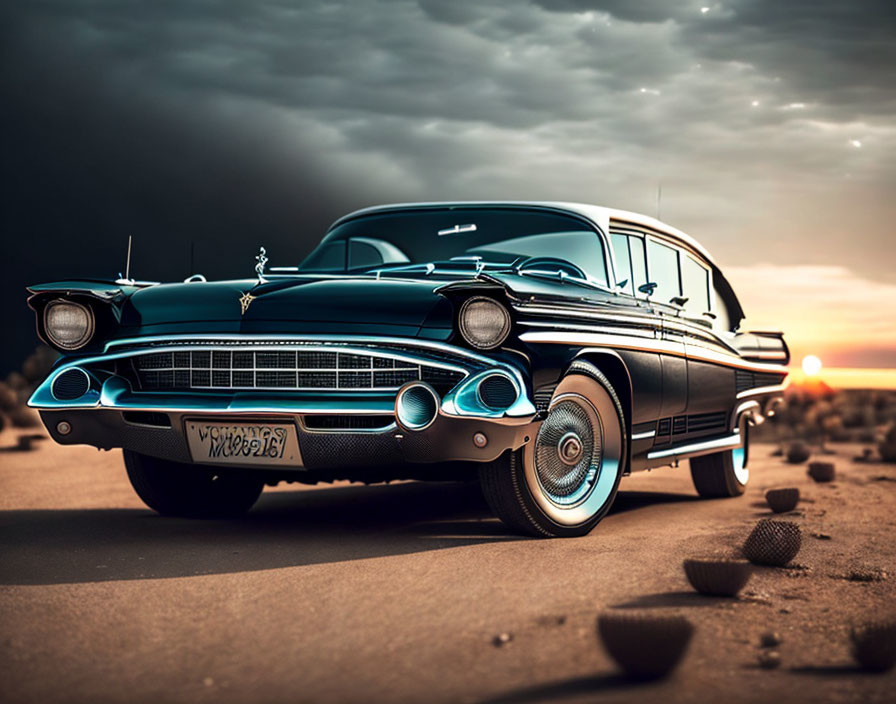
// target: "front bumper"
[[112, 413]]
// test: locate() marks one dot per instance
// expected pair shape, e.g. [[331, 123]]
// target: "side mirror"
[[648, 288]]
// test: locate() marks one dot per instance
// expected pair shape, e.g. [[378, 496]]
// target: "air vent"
[[70, 385], [496, 391], [348, 422], [151, 418]]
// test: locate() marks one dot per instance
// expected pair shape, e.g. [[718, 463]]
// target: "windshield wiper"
[[464, 264]]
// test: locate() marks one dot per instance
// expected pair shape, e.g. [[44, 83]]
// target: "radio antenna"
[[127, 264]]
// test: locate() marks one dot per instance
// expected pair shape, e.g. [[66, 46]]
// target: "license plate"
[[243, 443]]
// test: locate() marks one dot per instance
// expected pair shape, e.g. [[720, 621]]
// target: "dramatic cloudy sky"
[[769, 124]]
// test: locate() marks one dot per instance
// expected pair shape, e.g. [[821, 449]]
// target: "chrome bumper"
[[463, 426]]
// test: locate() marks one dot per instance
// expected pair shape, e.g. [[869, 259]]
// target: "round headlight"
[[68, 325], [483, 322]]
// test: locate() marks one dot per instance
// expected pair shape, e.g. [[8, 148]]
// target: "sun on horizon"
[[811, 365]]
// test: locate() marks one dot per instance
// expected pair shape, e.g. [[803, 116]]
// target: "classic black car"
[[552, 348]]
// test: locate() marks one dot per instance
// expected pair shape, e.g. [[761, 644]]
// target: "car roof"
[[597, 214]]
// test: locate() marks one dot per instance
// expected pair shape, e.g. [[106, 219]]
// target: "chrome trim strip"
[[634, 332], [719, 443], [644, 436], [659, 322], [677, 349]]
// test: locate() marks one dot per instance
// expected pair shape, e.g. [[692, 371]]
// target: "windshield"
[[457, 238]]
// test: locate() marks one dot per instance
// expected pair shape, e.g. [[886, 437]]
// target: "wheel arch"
[[611, 365]]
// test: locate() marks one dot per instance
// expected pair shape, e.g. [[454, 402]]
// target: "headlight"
[[483, 322], [68, 325]]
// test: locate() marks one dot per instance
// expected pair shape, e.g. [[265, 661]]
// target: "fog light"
[[480, 440], [63, 427]]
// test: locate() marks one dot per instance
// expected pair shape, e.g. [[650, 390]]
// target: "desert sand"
[[402, 593]]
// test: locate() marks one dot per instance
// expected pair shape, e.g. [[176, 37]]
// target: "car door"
[[663, 270]]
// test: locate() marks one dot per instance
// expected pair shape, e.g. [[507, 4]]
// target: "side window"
[[362, 255], [623, 262], [695, 285], [663, 266]]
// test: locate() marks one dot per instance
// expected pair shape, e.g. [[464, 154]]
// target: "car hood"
[[293, 305]]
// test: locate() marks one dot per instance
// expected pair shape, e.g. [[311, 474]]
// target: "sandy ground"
[[395, 593]]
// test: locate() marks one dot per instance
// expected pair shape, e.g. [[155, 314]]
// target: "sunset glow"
[[811, 365]]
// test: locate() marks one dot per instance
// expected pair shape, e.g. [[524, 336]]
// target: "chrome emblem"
[[245, 301]]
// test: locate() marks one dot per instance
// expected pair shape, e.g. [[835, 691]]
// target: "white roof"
[[597, 214]]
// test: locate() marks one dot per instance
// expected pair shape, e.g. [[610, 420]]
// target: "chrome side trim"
[[693, 448], [646, 345], [644, 436]]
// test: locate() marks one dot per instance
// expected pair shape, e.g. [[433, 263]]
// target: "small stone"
[[208, 682], [797, 452], [821, 536], [866, 574], [502, 639], [770, 639], [784, 611], [769, 659], [822, 472]]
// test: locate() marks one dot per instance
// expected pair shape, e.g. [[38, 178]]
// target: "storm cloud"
[[769, 125]]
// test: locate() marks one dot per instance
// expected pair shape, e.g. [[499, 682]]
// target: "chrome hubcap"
[[568, 452], [570, 449]]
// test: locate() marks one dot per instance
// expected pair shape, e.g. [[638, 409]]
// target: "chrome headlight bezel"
[[86, 335], [479, 342]]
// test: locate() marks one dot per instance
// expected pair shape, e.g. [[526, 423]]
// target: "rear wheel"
[[723, 473], [564, 482], [188, 490]]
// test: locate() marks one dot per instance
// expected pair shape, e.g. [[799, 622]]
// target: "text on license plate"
[[243, 443]]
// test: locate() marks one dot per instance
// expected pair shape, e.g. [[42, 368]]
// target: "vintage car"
[[550, 348]]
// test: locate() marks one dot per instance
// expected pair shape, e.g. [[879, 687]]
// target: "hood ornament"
[[261, 260]]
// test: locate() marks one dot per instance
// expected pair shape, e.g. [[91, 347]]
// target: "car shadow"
[[674, 599], [284, 529], [572, 688]]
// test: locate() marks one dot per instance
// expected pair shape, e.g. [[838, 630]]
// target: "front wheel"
[[564, 482], [725, 473], [188, 490]]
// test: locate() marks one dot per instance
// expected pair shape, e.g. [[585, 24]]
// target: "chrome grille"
[[296, 370]]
